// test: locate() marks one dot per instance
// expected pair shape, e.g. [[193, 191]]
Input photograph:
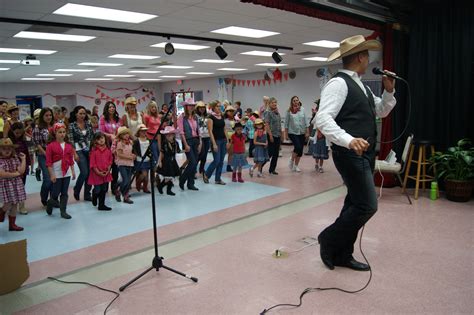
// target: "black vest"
[[357, 115]]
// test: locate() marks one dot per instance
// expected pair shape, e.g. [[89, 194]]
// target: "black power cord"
[[92, 285], [308, 290]]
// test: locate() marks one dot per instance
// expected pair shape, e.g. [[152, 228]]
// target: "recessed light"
[[323, 43], [100, 64], [181, 46], [74, 70], [149, 79], [232, 69], [173, 76], [119, 75], [244, 32], [10, 61], [37, 79], [4, 69], [53, 36], [200, 73], [268, 64], [27, 51], [92, 12], [54, 75], [213, 61], [260, 53], [175, 67], [316, 58], [143, 71], [98, 79], [143, 57]]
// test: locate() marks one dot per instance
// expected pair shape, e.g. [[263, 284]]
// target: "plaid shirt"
[[76, 136], [40, 136]]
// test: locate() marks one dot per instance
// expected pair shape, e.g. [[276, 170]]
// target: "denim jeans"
[[126, 174], [360, 203], [83, 173], [192, 156], [60, 187], [206, 143], [155, 152], [218, 159], [46, 185]]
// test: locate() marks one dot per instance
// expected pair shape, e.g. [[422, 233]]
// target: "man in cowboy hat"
[[346, 116]]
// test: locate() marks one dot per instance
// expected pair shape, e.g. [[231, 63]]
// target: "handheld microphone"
[[382, 72]]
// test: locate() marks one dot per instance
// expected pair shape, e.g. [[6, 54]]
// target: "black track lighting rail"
[[138, 32]]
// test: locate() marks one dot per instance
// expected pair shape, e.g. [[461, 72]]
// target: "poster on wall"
[[25, 111]]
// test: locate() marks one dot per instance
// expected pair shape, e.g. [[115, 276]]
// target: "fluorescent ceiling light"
[[200, 73], [37, 79], [213, 61], [181, 46], [244, 32], [10, 61], [149, 79], [74, 70], [232, 69], [4, 69], [54, 36], [323, 43], [91, 12], [99, 64], [260, 53], [173, 76], [144, 71], [316, 58], [98, 79], [27, 51], [119, 75], [268, 64], [54, 75], [175, 67], [143, 57]]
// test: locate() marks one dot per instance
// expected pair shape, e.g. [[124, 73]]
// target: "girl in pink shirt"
[[60, 163], [124, 159], [100, 170]]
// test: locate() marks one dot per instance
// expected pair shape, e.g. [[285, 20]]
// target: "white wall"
[[11, 90]]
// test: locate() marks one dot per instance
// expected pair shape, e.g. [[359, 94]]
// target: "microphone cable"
[[308, 290]]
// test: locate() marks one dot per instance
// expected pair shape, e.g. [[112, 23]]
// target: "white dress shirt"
[[333, 96]]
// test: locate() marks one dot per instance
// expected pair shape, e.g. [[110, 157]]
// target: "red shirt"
[[152, 123], [239, 143]]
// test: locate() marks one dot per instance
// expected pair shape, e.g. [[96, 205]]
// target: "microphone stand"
[[157, 261]]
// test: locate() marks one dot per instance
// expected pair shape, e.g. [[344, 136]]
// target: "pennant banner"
[[278, 77]]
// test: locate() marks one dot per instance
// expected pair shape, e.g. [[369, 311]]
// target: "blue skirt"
[[320, 150], [239, 160], [145, 166], [260, 154]]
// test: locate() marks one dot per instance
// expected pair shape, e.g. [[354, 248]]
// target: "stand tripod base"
[[157, 264]]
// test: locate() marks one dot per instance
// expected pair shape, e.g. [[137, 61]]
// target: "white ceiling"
[[187, 17]]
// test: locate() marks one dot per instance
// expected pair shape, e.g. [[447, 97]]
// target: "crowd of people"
[[110, 150]]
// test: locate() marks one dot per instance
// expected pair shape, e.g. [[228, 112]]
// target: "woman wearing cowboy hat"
[[132, 118], [346, 116]]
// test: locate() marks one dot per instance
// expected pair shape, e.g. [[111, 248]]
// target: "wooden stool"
[[421, 162]]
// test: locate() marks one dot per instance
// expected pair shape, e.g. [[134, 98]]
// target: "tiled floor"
[[422, 256]]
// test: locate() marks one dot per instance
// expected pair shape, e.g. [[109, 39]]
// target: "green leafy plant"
[[457, 163]]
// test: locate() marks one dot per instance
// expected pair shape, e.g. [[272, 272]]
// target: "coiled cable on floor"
[[92, 285], [308, 290]]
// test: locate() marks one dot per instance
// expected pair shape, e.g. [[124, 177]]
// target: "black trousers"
[[273, 151], [360, 203]]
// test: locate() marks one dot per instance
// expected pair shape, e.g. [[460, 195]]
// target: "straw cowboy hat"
[[11, 108], [7, 142], [140, 128], [230, 108], [36, 113], [131, 100], [168, 130], [354, 45], [200, 104], [122, 130], [258, 121]]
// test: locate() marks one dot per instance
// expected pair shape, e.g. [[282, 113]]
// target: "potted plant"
[[456, 166]]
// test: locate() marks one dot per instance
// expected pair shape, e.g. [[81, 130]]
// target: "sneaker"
[[316, 167], [260, 175], [296, 169], [128, 200], [220, 182], [290, 164], [321, 170]]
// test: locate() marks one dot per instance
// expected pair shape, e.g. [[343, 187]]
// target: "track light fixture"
[[276, 57], [221, 52], [169, 48]]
